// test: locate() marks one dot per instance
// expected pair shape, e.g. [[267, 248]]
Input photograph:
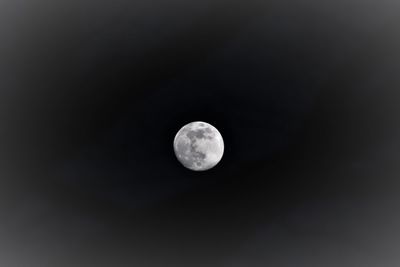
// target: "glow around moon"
[[198, 146]]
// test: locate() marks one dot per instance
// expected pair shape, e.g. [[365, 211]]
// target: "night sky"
[[305, 94]]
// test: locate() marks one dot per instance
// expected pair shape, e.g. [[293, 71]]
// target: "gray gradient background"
[[305, 93]]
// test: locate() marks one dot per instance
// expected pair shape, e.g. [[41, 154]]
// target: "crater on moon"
[[198, 146]]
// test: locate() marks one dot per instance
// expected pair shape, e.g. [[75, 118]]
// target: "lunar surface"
[[198, 146]]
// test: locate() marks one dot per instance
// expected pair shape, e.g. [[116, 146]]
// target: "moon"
[[198, 146]]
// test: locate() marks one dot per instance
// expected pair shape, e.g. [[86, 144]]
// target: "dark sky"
[[305, 94]]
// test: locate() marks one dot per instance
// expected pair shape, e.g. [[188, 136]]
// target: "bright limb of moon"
[[199, 146]]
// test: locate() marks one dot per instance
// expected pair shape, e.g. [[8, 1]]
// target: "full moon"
[[198, 146]]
